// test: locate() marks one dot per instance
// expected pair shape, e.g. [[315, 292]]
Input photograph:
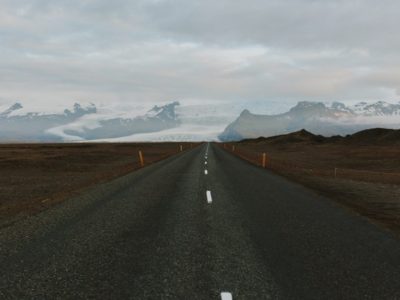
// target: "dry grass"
[[367, 181], [36, 176]]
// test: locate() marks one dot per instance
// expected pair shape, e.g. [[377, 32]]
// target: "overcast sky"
[[59, 51]]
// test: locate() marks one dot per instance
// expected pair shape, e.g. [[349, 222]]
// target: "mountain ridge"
[[80, 123], [326, 120], [373, 136], [175, 122]]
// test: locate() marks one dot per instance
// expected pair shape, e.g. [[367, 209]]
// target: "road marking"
[[209, 198], [226, 296], [205, 162], [205, 172]]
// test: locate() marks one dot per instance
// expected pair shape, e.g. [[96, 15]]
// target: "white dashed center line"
[[205, 172], [205, 162], [226, 296], [209, 198]]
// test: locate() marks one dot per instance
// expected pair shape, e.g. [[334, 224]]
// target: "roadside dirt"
[[34, 177], [368, 174], [377, 201]]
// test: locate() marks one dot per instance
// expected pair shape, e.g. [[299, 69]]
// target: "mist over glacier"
[[188, 120], [191, 119]]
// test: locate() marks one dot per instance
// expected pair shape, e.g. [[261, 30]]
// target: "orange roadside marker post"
[[264, 160], [141, 159]]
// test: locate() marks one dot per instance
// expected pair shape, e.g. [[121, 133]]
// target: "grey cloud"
[[230, 50], [295, 23]]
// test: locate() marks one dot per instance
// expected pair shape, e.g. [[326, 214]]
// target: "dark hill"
[[375, 136], [366, 137], [301, 136]]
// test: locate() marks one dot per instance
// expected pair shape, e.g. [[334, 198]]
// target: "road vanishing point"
[[173, 230]]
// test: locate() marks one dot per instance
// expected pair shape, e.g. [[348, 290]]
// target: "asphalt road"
[[156, 234]]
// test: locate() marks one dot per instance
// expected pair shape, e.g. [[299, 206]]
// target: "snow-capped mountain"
[[380, 108], [11, 109], [317, 117], [107, 126], [190, 120], [81, 123], [19, 125]]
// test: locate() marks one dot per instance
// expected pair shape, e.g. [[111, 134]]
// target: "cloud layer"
[[158, 50]]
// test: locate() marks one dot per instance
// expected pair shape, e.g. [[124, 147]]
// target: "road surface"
[[192, 228]]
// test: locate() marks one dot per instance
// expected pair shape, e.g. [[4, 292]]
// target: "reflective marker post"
[[141, 159]]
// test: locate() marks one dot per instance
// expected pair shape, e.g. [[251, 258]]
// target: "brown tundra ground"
[[36, 176], [367, 168]]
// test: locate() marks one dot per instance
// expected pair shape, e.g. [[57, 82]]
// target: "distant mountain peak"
[[16, 106], [12, 108], [78, 110], [83, 122], [379, 108], [245, 112], [317, 117], [164, 112], [304, 132], [361, 103], [338, 105], [307, 105]]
